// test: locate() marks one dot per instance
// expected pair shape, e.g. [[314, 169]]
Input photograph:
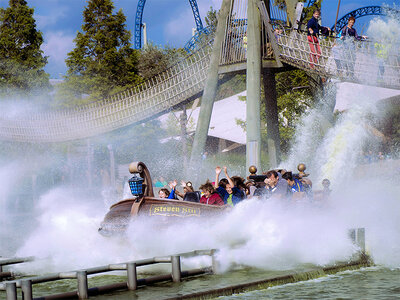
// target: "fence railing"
[[368, 62], [158, 94], [132, 283]]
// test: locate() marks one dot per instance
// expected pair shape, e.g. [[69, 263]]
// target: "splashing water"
[[268, 234]]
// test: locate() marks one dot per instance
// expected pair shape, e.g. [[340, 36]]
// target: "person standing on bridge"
[[313, 29], [350, 31]]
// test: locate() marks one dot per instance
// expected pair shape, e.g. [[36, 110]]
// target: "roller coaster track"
[[362, 12], [139, 16]]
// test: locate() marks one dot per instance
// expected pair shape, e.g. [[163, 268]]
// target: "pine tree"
[[21, 60], [103, 61]]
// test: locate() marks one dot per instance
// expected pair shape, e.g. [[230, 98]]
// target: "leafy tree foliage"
[[307, 11], [295, 97], [103, 61], [21, 60], [154, 59], [212, 18]]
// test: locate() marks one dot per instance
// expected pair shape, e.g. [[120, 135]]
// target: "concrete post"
[[357, 236], [253, 81], [210, 88], [11, 291], [132, 276], [214, 262], [176, 268], [82, 285], [26, 287], [271, 107], [360, 239]]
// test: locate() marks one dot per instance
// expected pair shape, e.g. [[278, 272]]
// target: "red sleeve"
[[217, 200]]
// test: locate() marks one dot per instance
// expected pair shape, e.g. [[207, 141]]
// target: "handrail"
[[131, 267], [347, 60]]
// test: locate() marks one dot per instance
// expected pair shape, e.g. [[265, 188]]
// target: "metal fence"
[[132, 283]]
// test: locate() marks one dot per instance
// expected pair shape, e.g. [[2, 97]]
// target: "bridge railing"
[[158, 94], [367, 61]]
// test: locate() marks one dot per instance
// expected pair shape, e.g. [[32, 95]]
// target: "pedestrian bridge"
[[344, 60]]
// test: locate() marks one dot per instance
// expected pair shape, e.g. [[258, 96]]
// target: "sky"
[[169, 22]]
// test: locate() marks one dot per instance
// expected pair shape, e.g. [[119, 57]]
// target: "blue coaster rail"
[[139, 16], [362, 12]]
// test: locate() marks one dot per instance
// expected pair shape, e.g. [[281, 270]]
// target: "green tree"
[[154, 59], [21, 60], [103, 61], [212, 18]]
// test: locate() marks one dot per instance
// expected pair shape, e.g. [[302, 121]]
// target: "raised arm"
[[217, 172], [227, 177], [172, 185]]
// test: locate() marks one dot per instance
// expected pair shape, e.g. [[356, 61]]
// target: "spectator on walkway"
[[313, 29], [350, 31]]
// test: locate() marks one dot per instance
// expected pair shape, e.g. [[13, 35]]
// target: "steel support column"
[[210, 88], [253, 82], [271, 107]]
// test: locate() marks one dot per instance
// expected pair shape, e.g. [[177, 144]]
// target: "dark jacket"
[[314, 25], [350, 32], [237, 194]]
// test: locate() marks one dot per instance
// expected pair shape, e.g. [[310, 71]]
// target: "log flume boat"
[[144, 204]]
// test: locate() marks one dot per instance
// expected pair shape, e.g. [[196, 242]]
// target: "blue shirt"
[[237, 194], [297, 187]]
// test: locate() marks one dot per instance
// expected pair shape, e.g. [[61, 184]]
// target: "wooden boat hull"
[[163, 211]]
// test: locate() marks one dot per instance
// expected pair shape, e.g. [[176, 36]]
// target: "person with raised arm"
[[231, 194]]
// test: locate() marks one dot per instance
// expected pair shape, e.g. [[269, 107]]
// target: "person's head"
[[272, 178], [223, 182], [316, 13], [207, 189], [238, 181], [163, 193], [326, 183], [188, 188], [351, 21], [289, 178], [228, 188]]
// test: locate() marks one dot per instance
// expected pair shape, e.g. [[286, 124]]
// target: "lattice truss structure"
[[349, 60]]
